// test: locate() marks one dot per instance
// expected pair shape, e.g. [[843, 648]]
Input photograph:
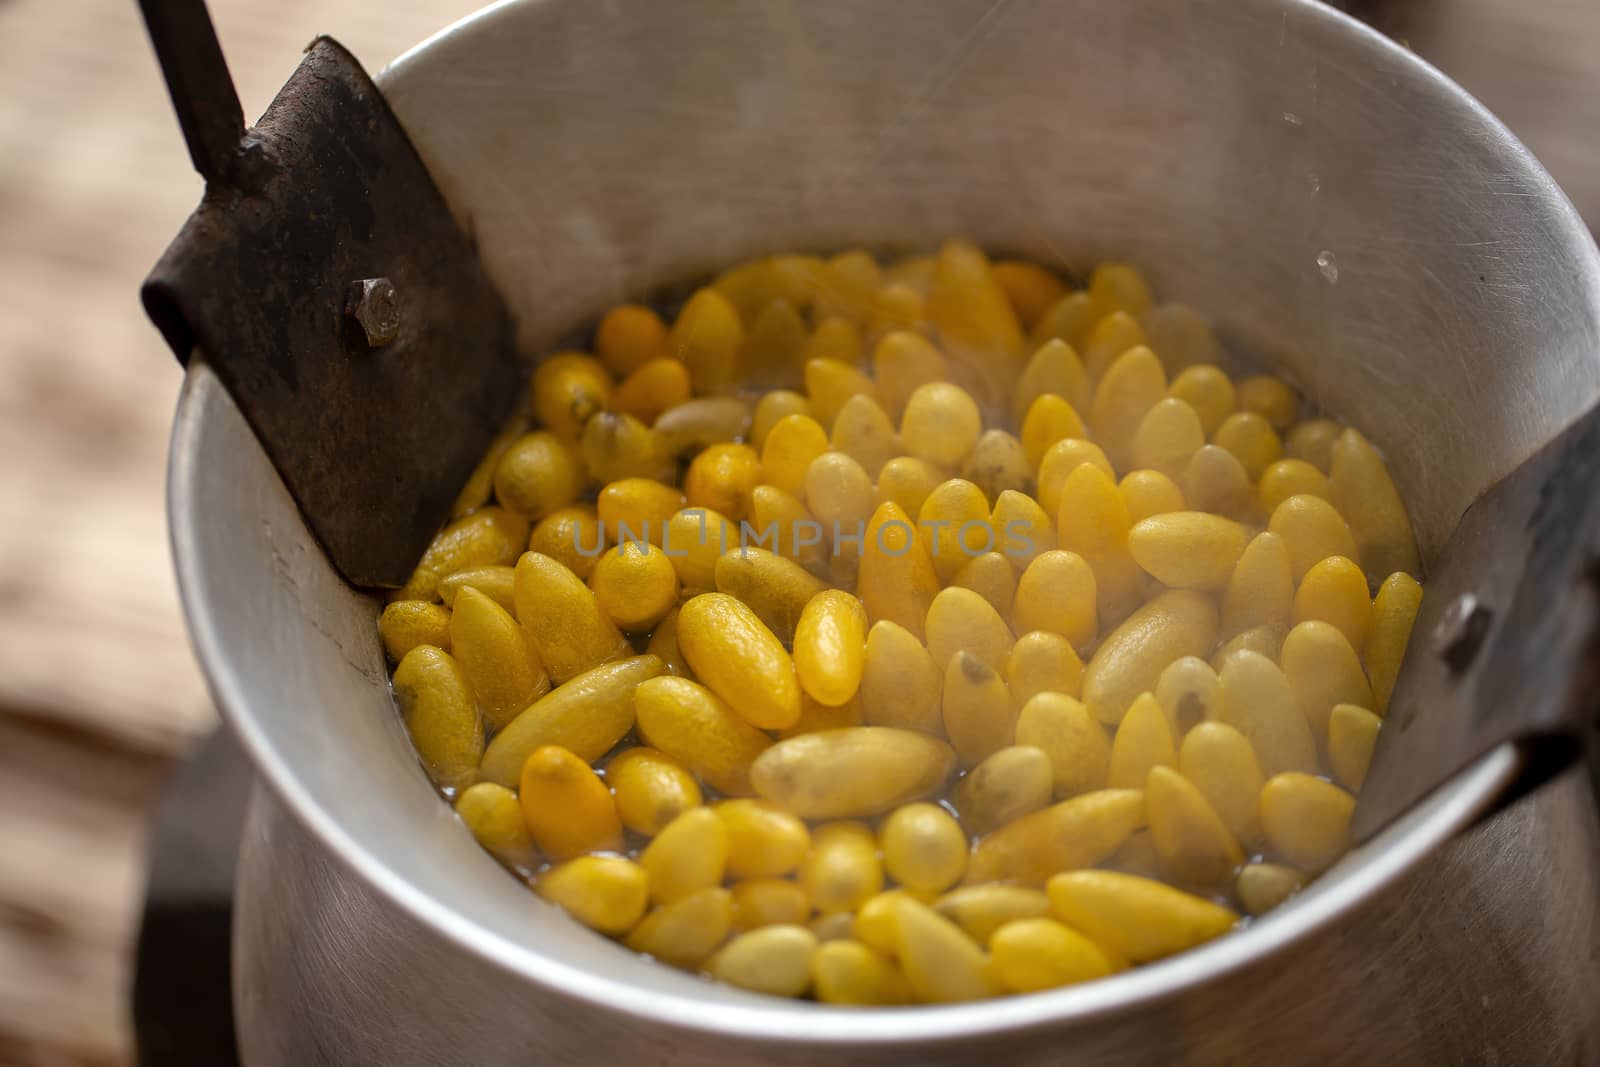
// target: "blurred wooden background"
[[98, 690]]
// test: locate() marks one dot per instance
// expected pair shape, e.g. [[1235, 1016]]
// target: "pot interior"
[[1342, 213]]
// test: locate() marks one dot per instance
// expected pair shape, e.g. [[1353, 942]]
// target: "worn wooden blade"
[[325, 280], [1506, 647]]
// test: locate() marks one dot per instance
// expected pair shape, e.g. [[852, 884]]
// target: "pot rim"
[[1398, 850]]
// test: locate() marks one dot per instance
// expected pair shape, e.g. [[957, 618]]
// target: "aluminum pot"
[[1347, 215]]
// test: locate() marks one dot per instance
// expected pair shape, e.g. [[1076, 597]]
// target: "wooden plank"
[[98, 688], [72, 837]]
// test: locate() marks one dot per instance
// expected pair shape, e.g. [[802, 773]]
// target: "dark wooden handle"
[[198, 80]]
